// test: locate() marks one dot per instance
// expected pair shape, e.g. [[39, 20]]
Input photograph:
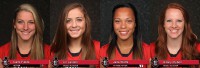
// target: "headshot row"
[[102, 30]]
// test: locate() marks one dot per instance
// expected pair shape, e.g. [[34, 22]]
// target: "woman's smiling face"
[[75, 23], [124, 23], [25, 25], [174, 23]]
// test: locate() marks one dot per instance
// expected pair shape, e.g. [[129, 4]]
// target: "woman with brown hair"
[[27, 36], [72, 40], [175, 41]]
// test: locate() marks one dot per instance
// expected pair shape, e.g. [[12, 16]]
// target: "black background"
[[100, 13]]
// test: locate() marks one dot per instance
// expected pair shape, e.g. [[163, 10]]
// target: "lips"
[[25, 32], [173, 31], [74, 30], [123, 33]]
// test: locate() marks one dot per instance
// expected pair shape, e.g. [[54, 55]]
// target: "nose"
[[74, 24], [174, 24], [25, 26], [123, 24]]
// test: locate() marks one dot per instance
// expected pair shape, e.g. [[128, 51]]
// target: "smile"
[[75, 30], [25, 32], [123, 32], [174, 31]]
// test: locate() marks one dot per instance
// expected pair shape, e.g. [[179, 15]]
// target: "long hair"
[[137, 48], [62, 39], [37, 44], [188, 41]]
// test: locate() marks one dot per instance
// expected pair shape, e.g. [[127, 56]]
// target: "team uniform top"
[[77, 56], [5, 49], [177, 56], [120, 56]]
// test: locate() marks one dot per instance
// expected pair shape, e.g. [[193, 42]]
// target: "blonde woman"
[[27, 36]]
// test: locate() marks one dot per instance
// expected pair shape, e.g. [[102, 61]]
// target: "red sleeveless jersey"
[[119, 56], [4, 52]]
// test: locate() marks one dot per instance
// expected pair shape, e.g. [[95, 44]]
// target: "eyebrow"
[[116, 18], [30, 20], [79, 17], [130, 18], [23, 20]]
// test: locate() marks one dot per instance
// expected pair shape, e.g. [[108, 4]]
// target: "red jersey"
[[119, 56], [177, 56], [77, 56], [4, 52]]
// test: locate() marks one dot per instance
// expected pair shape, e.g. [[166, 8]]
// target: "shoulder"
[[4, 50], [47, 51], [152, 45], [103, 50], [5, 46], [96, 44], [146, 51], [46, 46], [152, 49], [145, 45], [97, 48], [198, 47], [105, 47]]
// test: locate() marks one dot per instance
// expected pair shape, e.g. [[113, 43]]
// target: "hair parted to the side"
[[37, 44], [189, 39], [62, 39]]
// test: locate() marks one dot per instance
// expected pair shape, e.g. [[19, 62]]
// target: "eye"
[[31, 22], [129, 21], [179, 21], [79, 20], [116, 21], [68, 20], [20, 21], [168, 20]]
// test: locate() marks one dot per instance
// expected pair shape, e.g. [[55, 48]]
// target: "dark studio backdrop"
[[8, 8], [148, 13], [92, 7], [100, 12]]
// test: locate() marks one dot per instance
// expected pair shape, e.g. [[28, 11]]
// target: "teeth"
[[74, 30], [174, 31], [123, 32], [25, 32]]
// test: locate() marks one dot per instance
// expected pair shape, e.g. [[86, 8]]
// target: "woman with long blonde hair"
[[27, 36]]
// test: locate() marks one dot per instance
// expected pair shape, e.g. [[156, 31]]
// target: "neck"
[[125, 43], [75, 45], [24, 45], [174, 45]]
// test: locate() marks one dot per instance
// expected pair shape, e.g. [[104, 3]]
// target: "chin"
[[75, 36], [123, 38], [173, 37], [25, 39]]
